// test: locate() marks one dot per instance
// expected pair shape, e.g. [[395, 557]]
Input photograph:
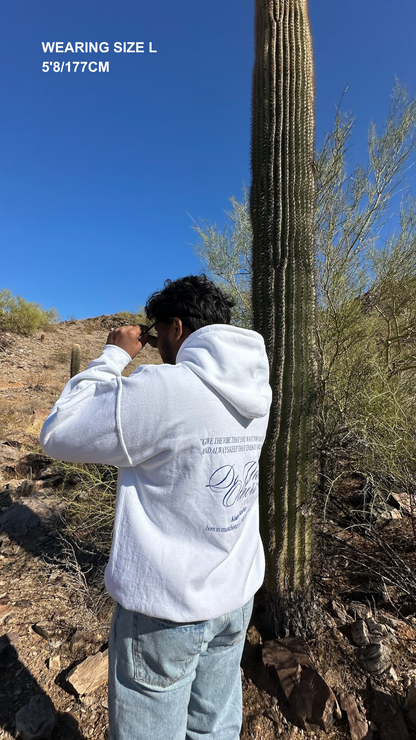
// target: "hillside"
[[54, 613], [35, 369]]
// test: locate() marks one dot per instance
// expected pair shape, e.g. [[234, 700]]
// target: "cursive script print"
[[228, 483]]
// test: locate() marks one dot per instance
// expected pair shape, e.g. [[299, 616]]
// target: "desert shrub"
[[89, 492], [23, 317], [385, 431]]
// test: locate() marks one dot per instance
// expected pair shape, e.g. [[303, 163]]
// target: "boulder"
[[37, 719], [309, 697], [28, 513], [359, 633], [89, 675], [358, 725], [388, 717], [375, 658]]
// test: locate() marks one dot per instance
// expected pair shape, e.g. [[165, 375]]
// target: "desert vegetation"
[[365, 267], [23, 317]]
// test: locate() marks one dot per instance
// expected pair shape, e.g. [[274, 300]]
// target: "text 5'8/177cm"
[[76, 66]]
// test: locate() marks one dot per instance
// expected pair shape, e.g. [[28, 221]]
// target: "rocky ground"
[[353, 677]]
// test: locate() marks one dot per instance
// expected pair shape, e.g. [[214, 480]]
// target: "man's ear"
[[180, 331], [177, 327]]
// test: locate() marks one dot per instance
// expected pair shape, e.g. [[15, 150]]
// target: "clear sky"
[[102, 171]]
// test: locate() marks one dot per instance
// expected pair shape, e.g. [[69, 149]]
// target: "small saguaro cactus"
[[75, 359], [282, 213]]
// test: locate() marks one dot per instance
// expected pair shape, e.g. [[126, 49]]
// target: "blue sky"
[[101, 172]]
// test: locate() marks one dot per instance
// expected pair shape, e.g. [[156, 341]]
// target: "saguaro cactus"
[[75, 359], [282, 205]]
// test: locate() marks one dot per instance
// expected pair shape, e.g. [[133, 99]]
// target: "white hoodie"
[[187, 440]]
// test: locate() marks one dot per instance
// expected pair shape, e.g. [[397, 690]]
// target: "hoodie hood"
[[233, 362]]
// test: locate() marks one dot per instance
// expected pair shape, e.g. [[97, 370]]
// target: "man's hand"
[[127, 337]]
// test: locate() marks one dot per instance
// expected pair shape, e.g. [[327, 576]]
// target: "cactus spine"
[[75, 359], [282, 206]]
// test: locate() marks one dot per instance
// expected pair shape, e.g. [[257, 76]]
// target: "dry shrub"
[[23, 317], [89, 492]]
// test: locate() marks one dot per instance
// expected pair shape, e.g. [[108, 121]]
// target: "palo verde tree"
[[283, 295], [226, 255], [365, 269]]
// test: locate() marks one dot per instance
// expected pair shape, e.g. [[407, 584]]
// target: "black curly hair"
[[194, 299]]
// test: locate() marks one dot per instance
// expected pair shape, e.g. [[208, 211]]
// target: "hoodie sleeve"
[[84, 424]]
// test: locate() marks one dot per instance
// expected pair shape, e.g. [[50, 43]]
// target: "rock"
[[52, 471], [77, 642], [359, 610], [359, 728], [54, 663], [51, 474], [89, 675], [337, 634], [286, 660], [9, 452], [23, 604], [253, 636], [5, 611], [359, 633], [37, 719], [391, 673], [387, 620], [376, 631], [391, 635], [402, 501], [333, 678], [36, 461], [10, 487], [306, 692], [388, 716], [410, 677], [46, 629], [31, 512], [339, 612], [375, 658], [388, 512]]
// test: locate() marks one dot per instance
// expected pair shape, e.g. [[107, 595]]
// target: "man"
[[186, 556]]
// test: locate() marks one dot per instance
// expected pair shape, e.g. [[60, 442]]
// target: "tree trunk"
[[282, 213]]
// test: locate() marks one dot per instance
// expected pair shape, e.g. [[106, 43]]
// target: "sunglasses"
[[151, 339]]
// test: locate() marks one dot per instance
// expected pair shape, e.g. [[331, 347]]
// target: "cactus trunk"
[[75, 360], [282, 213]]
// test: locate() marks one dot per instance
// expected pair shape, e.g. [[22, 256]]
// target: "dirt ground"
[[42, 581]]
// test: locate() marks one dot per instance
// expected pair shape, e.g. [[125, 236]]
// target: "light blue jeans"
[[174, 681]]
